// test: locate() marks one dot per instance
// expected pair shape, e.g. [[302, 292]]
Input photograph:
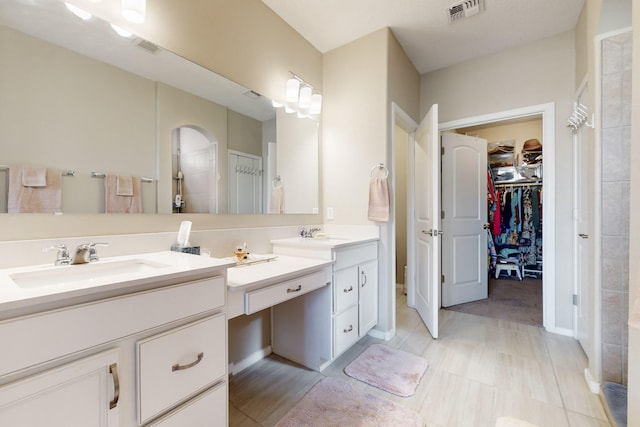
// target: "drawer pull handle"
[[178, 367], [348, 290], [364, 278], [298, 289], [346, 331], [113, 370]]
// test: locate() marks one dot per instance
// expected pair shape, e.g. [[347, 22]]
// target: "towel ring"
[[379, 167]]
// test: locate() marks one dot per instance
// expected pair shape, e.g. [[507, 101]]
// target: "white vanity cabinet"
[[354, 294], [155, 354], [81, 393]]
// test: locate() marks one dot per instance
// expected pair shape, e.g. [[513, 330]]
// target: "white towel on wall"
[[378, 199], [276, 205], [36, 198]]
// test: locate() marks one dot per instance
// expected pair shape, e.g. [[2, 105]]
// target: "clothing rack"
[[4, 168], [104, 175], [518, 184]]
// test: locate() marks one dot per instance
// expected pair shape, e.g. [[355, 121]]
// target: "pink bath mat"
[[394, 371], [333, 402]]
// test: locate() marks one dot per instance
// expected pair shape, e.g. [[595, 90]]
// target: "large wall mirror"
[[78, 98]]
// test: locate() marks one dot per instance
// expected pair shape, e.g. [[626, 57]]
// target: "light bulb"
[[305, 97], [134, 10], [316, 104], [293, 86]]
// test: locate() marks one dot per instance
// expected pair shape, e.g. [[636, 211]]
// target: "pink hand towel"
[[34, 199], [122, 204], [378, 199], [277, 200]]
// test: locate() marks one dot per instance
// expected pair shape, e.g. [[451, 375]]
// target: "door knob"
[[486, 226], [584, 236]]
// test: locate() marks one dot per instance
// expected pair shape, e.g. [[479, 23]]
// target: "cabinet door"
[[368, 297], [82, 393]]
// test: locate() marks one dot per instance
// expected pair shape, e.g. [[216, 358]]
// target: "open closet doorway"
[[520, 260], [513, 225]]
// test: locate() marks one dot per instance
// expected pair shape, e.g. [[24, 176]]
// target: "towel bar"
[[103, 175]]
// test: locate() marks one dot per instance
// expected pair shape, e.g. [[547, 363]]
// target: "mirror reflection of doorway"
[[195, 174]]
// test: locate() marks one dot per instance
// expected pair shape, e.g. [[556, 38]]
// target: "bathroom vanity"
[[352, 308], [298, 292], [125, 341]]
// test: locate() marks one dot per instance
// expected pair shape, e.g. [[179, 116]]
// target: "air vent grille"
[[464, 9], [148, 46]]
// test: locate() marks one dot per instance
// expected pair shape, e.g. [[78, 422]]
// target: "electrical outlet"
[[330, 214]]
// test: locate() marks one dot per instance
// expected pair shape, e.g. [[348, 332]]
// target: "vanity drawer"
[[345, 330], [206, 410], [76, 328], [352, 255], [266, 297], [346, 288], [177, 364]]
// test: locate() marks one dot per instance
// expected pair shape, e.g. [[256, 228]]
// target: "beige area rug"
[[389, 369], [332, 402], [512, 300]]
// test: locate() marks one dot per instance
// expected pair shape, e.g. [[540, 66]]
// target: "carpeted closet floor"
[[512, 300]]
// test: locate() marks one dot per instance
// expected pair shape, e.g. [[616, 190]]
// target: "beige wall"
[[62, 110], [532, 74], [401, 167], [245, 134], [354, 124]]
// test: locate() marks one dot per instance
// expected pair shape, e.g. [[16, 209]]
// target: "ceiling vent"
[[147, 45], [465, 9]]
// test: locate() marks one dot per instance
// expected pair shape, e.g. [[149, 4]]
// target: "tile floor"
[[480, 369]]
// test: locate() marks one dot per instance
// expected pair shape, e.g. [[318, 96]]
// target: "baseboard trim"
[[594, 386], [561, 331], [235, 368], [382, 335]]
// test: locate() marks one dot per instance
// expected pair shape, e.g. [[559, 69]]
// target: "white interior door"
[[581, 226], [464, 204], [426, 193]]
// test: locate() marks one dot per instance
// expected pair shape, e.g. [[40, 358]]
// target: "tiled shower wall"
[[616, 140]]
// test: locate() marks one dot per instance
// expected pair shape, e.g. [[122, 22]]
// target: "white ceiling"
[[422, 26]]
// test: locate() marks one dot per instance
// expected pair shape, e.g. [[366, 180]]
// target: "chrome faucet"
[[310, 232], [86, 253], [63, 254]]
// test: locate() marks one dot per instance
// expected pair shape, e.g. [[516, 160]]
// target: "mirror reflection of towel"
[[36, 198], [277, 200], [115, 203], [378, 199]]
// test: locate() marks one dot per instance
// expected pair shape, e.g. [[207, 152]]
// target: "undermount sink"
[[84, 273]]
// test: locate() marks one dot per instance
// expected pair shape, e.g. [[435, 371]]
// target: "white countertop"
[[261, 274], [326, 243], [168, 267]]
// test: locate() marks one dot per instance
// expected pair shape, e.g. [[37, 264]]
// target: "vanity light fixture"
[[305, 97], [80, 13], [293, 88], [316, 104], [121, 31], [134, 10]]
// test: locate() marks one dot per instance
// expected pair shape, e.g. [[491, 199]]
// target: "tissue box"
[[194, 250]]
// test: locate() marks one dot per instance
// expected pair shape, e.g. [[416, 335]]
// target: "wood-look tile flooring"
[[479, 369]]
